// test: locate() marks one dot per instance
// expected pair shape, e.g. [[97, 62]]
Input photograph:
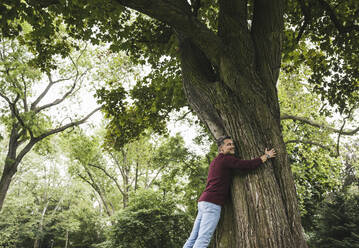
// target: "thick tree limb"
[[13, 141], [268, 24], [72, 124], [315, 124], [178, 15], [15, 112], [234, 32], [235, 10], [198, 78]]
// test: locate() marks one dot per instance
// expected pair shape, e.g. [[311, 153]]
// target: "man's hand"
[[268, 154]]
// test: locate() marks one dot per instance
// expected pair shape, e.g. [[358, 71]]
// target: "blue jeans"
[[204, 225]]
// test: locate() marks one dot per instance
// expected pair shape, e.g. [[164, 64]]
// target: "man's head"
[[225, 145]]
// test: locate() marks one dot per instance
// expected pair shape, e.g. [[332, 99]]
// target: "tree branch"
[[46, 90], [178, 15], [309, 143], [341, 130], [315, 124], [72, 124], [267, 29], [107, 174], [198, 78], [236, 10], [155, 177], [118, 163], [24, 100], [57, 101], [35, 140], [96, 188], [181, 118], [307, 18], [341, 28], [15, 112]]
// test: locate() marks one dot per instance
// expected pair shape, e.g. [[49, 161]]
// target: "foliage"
[[329, 26], [151, 220], [48, 208], [151, 101], [331, 30], [19, 226], [337, 223], [314, 163]]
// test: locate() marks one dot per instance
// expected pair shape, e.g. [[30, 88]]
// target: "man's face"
[[227, 147]]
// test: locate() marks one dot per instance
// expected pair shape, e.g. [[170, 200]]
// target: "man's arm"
[[235, 163]]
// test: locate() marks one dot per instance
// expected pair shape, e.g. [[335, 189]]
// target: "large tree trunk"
[[263, 208]]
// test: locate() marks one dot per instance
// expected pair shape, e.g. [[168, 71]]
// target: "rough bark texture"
[[240, 100], [263, 210]]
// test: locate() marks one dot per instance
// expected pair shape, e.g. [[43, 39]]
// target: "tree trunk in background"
[[6, 177], [67, 239], [41, 225]]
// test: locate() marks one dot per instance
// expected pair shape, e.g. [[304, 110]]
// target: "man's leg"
[[194, 234], [210, 217]]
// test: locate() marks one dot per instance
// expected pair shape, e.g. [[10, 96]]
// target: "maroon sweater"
[[220, 176]]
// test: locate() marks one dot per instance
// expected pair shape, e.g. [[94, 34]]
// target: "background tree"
[[336, 222], [28, 122], [149, 162]]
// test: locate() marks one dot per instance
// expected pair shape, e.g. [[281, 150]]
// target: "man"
[[217, 190]]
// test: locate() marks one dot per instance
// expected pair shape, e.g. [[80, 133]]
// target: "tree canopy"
[[320, 34]]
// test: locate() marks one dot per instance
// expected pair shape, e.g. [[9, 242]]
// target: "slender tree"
[[27, 119]]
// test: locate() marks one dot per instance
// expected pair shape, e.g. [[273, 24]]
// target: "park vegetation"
[[281, 74]]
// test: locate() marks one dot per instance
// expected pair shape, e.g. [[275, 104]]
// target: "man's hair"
[[220, 140]]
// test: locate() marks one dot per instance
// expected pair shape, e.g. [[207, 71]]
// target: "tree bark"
[[67, 240], [263, 209], [5, 180], [240, 99], [41, 225]]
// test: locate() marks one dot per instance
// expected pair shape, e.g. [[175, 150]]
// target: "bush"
[[338, 222], [150, 221]]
